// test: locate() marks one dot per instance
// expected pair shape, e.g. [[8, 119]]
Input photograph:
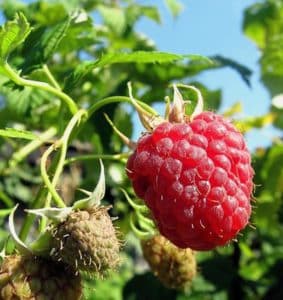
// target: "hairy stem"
[[41, 85]]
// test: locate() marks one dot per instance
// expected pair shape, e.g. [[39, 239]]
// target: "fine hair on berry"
[[87, 241], [174, 267]]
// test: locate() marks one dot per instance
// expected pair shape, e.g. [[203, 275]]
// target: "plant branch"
[[51, 77], [41, 85], [115, 99], [57, 199], [33, 145], [96, 156]]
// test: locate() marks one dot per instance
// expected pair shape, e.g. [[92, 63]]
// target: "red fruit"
[[196, 178]]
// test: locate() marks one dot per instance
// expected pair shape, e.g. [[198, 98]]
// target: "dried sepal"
[[20, 245]]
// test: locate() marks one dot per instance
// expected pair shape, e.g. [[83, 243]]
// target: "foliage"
[[263, 24], [57, 57]]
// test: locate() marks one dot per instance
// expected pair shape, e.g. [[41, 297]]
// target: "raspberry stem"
[[63, 144]]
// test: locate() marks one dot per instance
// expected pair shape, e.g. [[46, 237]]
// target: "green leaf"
[[137, 57], [272, 64], [12, 34], [174, 6], [117, 58], [135, 11], [244, 72], [42, 44], [18, 134], [151, 12], [114, 18], [262, 20], [250, 123], [80, 34], [272, 59], [5, 212]]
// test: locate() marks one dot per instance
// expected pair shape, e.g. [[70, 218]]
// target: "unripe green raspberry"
[[33, 278], [173, 266], [87, 241]]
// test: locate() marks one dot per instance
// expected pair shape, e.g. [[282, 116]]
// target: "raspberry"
[[173, 266], [31, 277], [87, 241], [196, 178]]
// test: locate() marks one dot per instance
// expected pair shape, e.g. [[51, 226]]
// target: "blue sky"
[[210, 27]]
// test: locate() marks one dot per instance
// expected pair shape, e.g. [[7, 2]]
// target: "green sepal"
[[57, 215], [96, 196], [20, 245], [137, 207], [140, 234], [42, 245]]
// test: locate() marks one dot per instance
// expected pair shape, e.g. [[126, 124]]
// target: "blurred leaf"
[[221, 61], [109, 288], [272, 165], [114, 17], [175, 6], [136, 57], [263, 20], [17, 189], [17, 133], [21, 103], [81, 33], [151, 12], [142, 57], [5, 212], [272, 58], [263, 23], [46, 13], [154, 289], [219, 271], [249, 123], [254, 270], [135, 11], [272, 64], [234, 109], [12, 34], [42, 44]]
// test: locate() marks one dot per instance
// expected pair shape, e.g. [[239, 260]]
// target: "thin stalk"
[[96, 156], [51, 189], [115, 99], [6, 200], [41, 85], [29, 219], [63, 144], [51, 77], [33, 145]]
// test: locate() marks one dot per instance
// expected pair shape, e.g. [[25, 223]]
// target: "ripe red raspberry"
[[196, 178]]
